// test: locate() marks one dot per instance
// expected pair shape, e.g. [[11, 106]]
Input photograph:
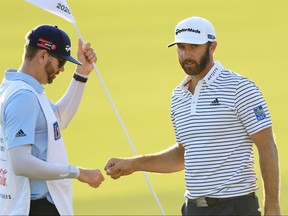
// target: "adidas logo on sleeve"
[[20, 133]]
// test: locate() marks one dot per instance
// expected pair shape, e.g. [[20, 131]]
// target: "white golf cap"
[[194, 30]]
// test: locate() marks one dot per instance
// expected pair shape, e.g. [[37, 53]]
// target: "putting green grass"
[[130, 38]]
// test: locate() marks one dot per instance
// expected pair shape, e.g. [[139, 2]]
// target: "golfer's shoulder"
[[240, 79]]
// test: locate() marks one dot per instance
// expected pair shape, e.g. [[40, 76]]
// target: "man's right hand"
[[117, 167], [93, 177]]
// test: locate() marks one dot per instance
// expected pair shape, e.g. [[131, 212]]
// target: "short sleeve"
[[251, 107], [20, 118]]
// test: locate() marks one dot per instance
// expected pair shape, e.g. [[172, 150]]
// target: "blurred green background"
[[130, 38]]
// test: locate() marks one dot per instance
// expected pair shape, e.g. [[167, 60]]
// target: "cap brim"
[[187, 41], [71, 59], [171, 44]]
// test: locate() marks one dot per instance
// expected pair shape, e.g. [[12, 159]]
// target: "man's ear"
[[42, 57], [213, 46]]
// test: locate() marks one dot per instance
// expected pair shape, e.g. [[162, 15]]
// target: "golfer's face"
[[193, 58]]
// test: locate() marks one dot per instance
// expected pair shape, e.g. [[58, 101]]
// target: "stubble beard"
[[50, 72]]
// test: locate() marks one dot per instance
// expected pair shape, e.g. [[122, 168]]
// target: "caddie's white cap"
[[194, 30]]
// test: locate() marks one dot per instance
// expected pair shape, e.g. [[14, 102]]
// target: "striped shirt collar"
[[210, 77], [12, 74]]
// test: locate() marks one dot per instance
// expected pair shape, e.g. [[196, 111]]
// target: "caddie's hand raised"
[[93, 177], [86, 56], [117, 167]]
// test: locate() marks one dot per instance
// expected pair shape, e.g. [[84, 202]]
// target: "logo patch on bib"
[[57, 133]]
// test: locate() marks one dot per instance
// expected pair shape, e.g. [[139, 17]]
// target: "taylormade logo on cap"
[[67, 48], [189, 29], [194, 30]]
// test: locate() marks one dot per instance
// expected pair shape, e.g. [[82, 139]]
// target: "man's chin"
[[51, 79], [192, 72]]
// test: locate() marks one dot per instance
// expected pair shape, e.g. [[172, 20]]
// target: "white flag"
[[57, 7]]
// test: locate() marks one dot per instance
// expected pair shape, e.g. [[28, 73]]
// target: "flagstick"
[[121, 123]]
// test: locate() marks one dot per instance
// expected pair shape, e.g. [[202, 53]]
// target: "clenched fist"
[[93, 177]]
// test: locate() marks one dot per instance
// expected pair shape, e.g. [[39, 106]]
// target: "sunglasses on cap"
[[61, 61]]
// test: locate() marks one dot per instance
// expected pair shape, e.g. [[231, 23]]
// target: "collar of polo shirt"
[[209, 78], [213, 73]]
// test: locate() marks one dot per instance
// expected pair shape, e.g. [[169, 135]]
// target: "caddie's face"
[[193, 58], [52, 69]]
